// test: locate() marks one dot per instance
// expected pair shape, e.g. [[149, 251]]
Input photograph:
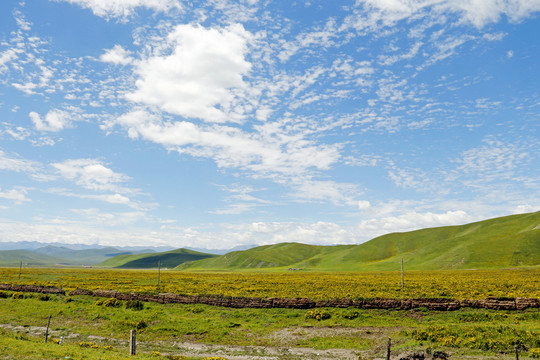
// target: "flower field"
[[457, 284]]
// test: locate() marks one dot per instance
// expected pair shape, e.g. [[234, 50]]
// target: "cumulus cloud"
[[363, 204], [91, 174], [123, 9], [196, 74], [55, 120], [117, 55]]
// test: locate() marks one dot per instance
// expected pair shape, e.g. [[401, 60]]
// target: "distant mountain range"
[[503, 242]]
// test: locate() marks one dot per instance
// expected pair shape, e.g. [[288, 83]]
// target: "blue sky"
[[220, 123]]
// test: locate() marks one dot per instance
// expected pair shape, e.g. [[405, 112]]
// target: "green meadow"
[[93, 328]]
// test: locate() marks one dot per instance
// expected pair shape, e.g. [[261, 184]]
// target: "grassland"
[[458, 284], [93, 330]]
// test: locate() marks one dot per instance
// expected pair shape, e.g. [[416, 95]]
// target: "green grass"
[[167, 259], [484, 333], [505, 242]]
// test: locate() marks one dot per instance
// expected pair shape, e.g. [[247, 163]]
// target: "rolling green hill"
[[167, 259], [28, 258], [52, 255], [82, 257], [495, 243]]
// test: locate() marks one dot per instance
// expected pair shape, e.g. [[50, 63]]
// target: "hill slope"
[[84, 256], [28, 258], [495, 243], [167, 259]]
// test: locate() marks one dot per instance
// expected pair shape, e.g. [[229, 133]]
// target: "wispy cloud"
[[17, 195], [123, 9]]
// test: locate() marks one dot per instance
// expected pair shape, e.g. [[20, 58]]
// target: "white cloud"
[[19, 133], [55, 120], [337, 193], [240, 200], [526, 208], [408, 178], [17, 164], [363, 204], [123, 9], [476, 12], [117, 55], [493, 161], [5, 58], [482, 12], [272, 152], [116, 199], [411, 220], [91, 174], [16, 195], [196, 75]]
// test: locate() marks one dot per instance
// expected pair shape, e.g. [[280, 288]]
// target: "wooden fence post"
[[158, 271], [47, 331], [132, 342], [20, 270], [388, 349]]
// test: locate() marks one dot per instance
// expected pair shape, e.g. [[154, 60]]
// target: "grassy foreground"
[[97, 329]]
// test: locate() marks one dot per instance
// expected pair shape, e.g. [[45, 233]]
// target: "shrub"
[[3, 295], [535, 353], [318, 314], [18, 295], [353, 314], [87, 344], [139, 325], [112, 302], [44, 297], [134, 305]]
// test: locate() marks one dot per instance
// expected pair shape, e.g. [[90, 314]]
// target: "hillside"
[[167, 259], [495, 243], [51, 255], [84, 256], [28, 258]]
